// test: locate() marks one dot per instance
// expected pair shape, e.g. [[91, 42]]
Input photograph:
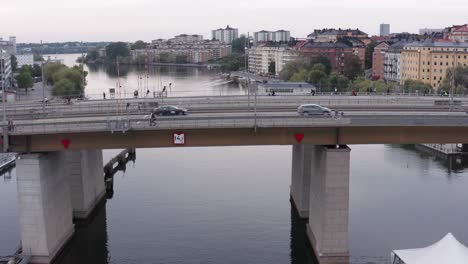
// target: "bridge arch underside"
[[241, 137]]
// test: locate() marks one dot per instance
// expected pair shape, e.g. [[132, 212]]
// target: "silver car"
[[313, 109]]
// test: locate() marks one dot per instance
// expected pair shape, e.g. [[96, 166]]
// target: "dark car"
[[170, 110]]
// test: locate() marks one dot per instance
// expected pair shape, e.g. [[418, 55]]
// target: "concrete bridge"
[[60, 172]]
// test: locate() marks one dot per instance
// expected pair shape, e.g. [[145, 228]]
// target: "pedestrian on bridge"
[[153, 119], [104, 95]]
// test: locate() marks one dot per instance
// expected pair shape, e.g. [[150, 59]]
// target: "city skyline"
[[58, 21]]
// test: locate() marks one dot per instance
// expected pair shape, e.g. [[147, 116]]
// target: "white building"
[[273, 36], [384, 30], [8, 45], [392, 62], [226, 35], [5, 68], [24, 59], [184, 38], [262, 56]]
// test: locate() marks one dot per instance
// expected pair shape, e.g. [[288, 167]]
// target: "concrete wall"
[[45, 209], [300, 177], [85, 176], [329, 204]]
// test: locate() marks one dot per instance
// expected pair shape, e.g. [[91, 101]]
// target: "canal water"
[[231, 205]]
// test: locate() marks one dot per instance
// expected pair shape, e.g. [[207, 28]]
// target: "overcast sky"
[[130, 20]]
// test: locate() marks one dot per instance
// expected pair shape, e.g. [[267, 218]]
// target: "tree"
[[461, 80], [325, 61], [140, 44], [339, 81], [50, 69], [164, 57], [238, 44], [369, 54], [64, 88], [272, 68], [36, 71], [14, 62], [25, 80], [317, 74], [352, 67], [117, 49], [181, 58], [301, 76], [411, 86], [92, 55]]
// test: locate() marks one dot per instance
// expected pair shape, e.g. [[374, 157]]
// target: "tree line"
[[67, 82]]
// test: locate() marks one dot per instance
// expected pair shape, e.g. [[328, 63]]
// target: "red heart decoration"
[[299, 137], [65, 143]]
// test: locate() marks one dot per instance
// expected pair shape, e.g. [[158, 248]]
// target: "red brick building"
[[337, 52], [378, 59]]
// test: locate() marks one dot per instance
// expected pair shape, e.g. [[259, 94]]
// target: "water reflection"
[[454, 164], [90, 241], [301, 249]]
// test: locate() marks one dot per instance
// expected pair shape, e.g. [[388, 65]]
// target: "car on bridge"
[[313, 109], [169, 110]]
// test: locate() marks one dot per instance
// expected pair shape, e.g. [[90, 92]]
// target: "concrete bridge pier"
[[329, 204], [85, 177], [300, 178], [52, 188]]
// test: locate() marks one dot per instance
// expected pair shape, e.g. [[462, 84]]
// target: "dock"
[[7, 161], [443, 151], [118, 163]]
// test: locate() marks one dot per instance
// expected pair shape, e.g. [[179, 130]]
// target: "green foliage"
[[67, 82], [14, 62], [461, 81], [50, 69], [411, 86], [369, 54], [140, 44], [36, 71], [25, 80], [315, 71], [117, 49], [233, 62], [164, 57], [352, 67], [272, 68], [238, 44], [339, 81], [181, 58], [64, 88], [325, 62], [301, 76], [92, 55]]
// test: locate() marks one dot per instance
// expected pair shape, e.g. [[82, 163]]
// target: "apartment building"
[[378, 58], [194, 52], [392, 62], [184, 38], [336, 52], [261, 56], [25, 59], [334, 35], [225, 35], [271, 36], [457, 33], [429, 61]]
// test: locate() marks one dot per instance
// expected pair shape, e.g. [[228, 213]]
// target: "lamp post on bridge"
[[4, 123]]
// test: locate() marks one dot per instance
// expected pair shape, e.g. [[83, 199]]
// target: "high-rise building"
[[273, 36], [384, 30], [226, 35]]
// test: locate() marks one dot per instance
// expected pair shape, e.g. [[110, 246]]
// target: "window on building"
[[446, 56], [435, 63], [435, 78]]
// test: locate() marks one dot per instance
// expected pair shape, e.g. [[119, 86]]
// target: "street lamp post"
[[5, 128]]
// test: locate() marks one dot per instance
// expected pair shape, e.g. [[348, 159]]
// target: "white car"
[[313, 109]]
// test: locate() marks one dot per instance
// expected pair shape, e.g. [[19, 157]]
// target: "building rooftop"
[[430, 43]]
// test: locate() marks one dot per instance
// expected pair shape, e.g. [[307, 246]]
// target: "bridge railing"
[[123, 124]]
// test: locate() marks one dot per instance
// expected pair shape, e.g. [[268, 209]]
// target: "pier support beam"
[[329, 204], [85, 176], [300, 178], [45, 209]]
